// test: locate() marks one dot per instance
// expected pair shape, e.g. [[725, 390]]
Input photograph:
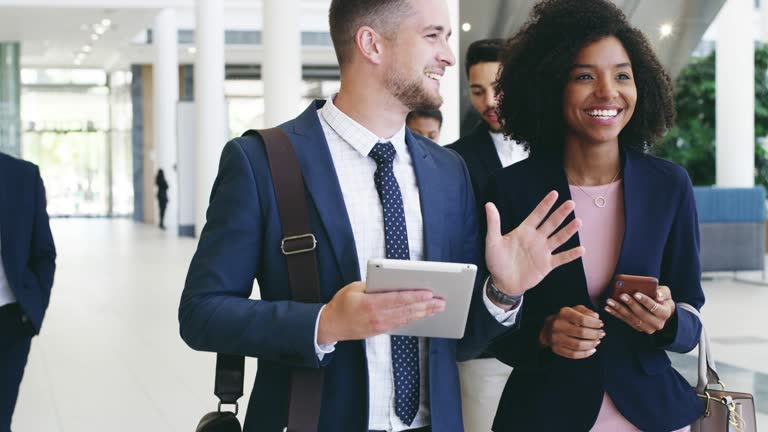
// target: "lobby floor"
[[110, 357]]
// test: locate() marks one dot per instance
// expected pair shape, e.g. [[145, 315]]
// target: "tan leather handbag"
[[725, 411]]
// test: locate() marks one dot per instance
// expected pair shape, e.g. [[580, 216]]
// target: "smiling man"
[[357, 159], [485, 149]]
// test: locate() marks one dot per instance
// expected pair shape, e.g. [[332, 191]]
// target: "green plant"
[[691, 143]]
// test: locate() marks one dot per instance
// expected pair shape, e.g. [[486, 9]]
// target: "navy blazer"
[[479, 153], [28, 252], [551, 393], [241, 242]]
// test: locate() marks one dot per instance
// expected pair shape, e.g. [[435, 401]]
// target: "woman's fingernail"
[[625, 297], [610, 302], [637, 296]]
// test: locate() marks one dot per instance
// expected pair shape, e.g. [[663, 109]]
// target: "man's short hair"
[[483, 51], [347, 16], [433, 114]]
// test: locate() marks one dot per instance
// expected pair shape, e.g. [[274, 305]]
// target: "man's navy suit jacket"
[[661, 239], [241, 242], [28, 252]]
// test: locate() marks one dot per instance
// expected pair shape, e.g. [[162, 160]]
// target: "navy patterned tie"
[[405, 349]]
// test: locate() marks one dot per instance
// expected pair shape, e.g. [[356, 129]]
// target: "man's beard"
[[411, 92]]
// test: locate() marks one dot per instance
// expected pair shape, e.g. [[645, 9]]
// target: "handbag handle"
[[707, 370]]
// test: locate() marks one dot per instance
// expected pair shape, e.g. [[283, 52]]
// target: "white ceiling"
[[690, 19], [53, 32]]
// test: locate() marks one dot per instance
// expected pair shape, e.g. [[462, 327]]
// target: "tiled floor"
[[110, 357]]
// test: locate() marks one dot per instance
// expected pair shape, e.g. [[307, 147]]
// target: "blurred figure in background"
[[426, 123], [162, 195], [485, 149]]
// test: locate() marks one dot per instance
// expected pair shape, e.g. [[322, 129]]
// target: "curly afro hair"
[[536, 63]]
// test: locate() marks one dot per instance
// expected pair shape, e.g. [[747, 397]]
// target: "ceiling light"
[[191, 50], [466, 26], [94, 37], [99, 29], [78, 62], [106, 22], [86, 48], [665, 30], [81, 55]]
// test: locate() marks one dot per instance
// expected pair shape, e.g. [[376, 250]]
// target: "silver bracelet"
[[499, 296]]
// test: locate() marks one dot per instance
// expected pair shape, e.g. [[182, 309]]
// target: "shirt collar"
[[360, 138]]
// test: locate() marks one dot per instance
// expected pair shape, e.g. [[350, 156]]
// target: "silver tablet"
[[452, 282]]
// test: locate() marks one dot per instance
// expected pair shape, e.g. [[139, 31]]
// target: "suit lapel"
[[323, 185], [573, 271], [631, 189], [430, 197], [486, 150]]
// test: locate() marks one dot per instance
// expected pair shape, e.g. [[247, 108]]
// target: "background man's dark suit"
[[480, 155], [28, 258]]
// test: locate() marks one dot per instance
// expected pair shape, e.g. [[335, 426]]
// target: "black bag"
[[298, 246], [228, 388]]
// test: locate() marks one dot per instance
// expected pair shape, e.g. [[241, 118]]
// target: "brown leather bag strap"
[[298, 246]]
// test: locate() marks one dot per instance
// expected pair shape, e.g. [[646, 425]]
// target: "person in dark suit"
[[26, 273], [584, 360], [162, 195], [485, 149], [358, 158]]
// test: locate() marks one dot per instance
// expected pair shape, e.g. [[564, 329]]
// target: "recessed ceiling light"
[[98, 29], [466, 26], [94, 37], [106, 22], [81, 55], [86, 48], [191, 50], [666, 30]]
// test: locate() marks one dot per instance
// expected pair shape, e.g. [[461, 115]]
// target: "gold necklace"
[[599, 200]]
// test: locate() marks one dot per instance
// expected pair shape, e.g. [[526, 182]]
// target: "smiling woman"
[[594, 105]]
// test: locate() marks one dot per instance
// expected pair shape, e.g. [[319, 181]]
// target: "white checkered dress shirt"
[[349, 143]]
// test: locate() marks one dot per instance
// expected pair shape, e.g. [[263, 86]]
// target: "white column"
[[281, 68], [735, 95], [764, 21], [165, 85], [209, 99], [450, 87]]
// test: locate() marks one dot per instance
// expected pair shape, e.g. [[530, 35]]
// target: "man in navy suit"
[[26, 273], [364, 172], [485, 149]]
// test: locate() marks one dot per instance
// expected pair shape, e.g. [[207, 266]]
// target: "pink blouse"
[[601, 234]]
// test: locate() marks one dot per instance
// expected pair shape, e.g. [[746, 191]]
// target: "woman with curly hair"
[[587, 94]]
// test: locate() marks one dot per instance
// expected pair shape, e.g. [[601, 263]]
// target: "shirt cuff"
[[322, 350], [505, 318]]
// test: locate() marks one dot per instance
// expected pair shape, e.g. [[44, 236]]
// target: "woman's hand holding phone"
[[641, 303]]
